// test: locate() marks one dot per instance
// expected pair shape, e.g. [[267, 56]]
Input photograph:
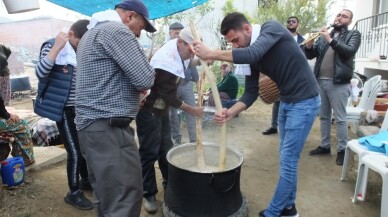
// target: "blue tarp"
[[156, 8]]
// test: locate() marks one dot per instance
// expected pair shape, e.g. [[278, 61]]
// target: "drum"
[[268, 90]]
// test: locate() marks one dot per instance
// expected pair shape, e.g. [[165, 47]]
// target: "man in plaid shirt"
[[112, 71]]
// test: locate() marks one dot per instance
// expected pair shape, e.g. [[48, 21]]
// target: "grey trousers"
[[114, 168], [186, 94], [334, 98]]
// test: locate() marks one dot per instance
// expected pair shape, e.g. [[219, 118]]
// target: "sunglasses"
[[291, 21]]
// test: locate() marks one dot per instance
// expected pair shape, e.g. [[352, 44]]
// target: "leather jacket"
[[345, 48]]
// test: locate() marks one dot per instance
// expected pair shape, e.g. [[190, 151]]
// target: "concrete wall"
[[25, 39], [363, 9]]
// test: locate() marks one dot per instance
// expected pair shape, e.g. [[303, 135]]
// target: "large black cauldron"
[[193, 193]]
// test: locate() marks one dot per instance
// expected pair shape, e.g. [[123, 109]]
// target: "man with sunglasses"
[[334, 52], [292, 26]]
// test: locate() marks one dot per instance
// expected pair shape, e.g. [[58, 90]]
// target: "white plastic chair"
[[367, 101], [361, 151], [378, 163]]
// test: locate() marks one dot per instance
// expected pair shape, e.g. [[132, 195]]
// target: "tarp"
[[156, 8]]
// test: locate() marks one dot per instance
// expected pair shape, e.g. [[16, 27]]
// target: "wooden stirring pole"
[[200, 155], [217, 102]]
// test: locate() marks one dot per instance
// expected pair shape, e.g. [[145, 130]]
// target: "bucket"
[[192, 193], [19, 6], [12, 171]]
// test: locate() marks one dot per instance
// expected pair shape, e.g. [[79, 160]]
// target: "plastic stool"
[[378, 163], [361, 151]]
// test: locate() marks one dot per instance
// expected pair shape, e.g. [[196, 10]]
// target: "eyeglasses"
[[291, 21], [343, 16]]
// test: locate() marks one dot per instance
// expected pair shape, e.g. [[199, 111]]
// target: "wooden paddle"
[[217, 102]]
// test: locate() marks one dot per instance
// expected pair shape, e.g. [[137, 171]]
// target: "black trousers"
[[76, 164], [154, 135]]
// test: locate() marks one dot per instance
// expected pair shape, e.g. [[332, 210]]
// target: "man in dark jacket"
[[333, 69], [152, 121]]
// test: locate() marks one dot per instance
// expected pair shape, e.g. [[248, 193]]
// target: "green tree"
[[311, 13], [228, 8], [196, 14]]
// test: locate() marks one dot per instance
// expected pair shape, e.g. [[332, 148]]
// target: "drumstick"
[[217, 102]]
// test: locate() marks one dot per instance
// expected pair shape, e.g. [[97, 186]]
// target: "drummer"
[[272, 49]]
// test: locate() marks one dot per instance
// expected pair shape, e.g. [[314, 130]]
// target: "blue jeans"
[[295, 122]]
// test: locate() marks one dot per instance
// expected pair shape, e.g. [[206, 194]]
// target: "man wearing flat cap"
[[153, 125], [174, 30], [112, 72]]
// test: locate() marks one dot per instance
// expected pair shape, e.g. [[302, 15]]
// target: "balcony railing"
[[374, 36]]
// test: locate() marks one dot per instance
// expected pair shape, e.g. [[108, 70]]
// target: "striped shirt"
[[112, 71], [43, 69]]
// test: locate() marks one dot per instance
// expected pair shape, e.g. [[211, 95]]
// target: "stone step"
[[47, 155]]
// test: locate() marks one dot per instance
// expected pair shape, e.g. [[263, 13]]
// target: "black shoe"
[[85, 185], [78, 200], [150, 204], [340, 158], [270, 131], [261, 213], [291, 212], [320, 151]]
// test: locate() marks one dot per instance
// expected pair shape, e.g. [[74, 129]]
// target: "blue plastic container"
[[12, 171]]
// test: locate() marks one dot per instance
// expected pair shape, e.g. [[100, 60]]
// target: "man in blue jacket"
[[56, 100]]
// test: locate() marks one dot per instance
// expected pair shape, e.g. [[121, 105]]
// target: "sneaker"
[[150, 204], [320, 151], [340, 158], [291, 212], [85, 185], [270, 131], [261, 213], [78, 200]]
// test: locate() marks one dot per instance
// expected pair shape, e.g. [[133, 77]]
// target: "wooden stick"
[[200, 154], [217, 102]]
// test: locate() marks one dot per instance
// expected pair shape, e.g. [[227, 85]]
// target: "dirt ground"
[[320, 191]]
